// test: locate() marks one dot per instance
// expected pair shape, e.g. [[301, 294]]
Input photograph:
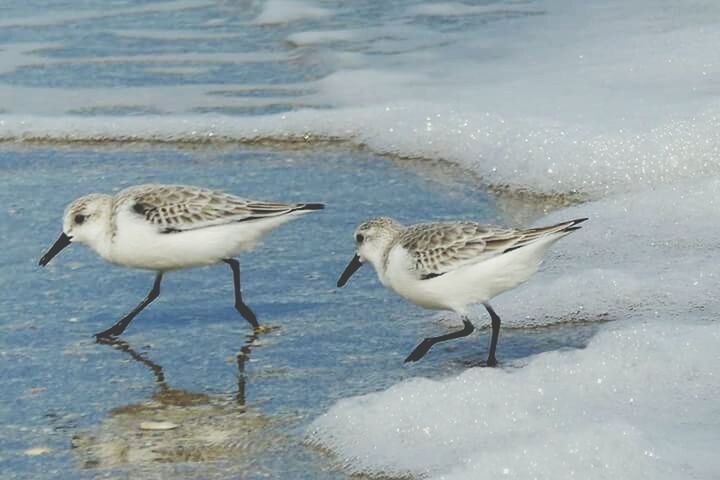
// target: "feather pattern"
[[437, 248], [178, 208], [449, 266]]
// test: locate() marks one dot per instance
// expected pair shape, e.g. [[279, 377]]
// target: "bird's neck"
[[380, 263], [101, 238]]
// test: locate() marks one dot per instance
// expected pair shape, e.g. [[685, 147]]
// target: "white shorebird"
[[171, 227], [448, 266]]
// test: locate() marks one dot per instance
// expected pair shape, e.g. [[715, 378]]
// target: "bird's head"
[[372, 239], [85, 221]]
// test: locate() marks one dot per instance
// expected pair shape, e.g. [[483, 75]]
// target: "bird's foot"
[[247, 314], [419, 351], [261, 329], [111, 332], [491, 362]]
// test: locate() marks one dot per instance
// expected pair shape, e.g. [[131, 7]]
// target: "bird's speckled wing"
[[438, 248], [177, 208]]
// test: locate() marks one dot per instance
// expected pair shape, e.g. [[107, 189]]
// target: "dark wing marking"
[[176, 208], [440, 248]]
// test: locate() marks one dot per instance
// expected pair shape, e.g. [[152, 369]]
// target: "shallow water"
[[611, 106], [242, 403]]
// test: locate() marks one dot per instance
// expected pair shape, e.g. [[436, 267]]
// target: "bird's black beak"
[[352, 267], [59, 244]]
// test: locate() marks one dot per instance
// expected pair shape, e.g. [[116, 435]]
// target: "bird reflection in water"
[[171, 396], [177, 425]]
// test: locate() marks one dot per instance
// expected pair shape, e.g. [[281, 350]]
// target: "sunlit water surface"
[[242, 402], [613, 103]]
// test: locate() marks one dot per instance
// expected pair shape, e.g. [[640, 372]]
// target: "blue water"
[[60, 387], [533, 91], [105, 50]]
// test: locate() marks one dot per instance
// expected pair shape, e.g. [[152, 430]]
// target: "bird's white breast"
[[466, 285], [140, 244], [400, 276]]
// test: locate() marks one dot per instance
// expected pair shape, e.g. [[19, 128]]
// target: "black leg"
[[491, 361], [239, 305], [426, 344], [122, 324]]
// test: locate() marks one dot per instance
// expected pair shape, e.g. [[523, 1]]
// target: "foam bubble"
[[646, 254], [452, 9], [638, 402], [323, 37], [286, 11], [593, 98], [624, 407], [513, 154]]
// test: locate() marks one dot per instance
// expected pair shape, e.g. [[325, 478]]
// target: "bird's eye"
[[79, 219], [359, 238]]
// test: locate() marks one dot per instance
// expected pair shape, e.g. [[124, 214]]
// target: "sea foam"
[[636, 403], [552, 102], [285, 11], [601, 101], [616, 102]]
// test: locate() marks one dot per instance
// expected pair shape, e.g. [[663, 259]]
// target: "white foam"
[[615, 100], [649, 254], [456, 9], [521, 155], [15, 56], [551, 102], [323, 37], [636, 403], [640, 401], [559, 101], [286, 11]]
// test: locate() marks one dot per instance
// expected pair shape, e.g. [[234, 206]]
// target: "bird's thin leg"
[[122, 324], [491, 361], [426, 344], [239, 305]]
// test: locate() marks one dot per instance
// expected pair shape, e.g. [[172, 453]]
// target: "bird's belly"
[[174, 251], [421, 293], [469, 284], [480, 282], [164, 259], [457, 289]]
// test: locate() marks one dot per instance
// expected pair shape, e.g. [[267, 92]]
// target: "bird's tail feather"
[[557, 231], [571, 225], [309, 206]]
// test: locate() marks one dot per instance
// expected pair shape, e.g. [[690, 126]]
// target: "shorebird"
[[449, 266], [170, 227]]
